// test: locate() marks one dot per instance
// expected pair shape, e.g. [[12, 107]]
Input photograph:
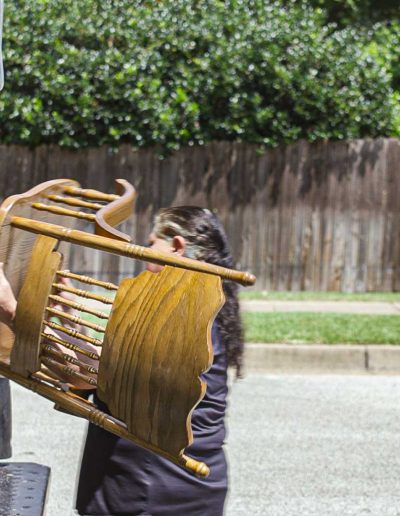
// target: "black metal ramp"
[[23, 488]]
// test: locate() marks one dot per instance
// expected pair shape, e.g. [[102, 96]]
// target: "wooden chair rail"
[[116, 212], [78, 306], [49, 350], [155, 342], [72, 201], [88, 280], [67, 371], [76, 320], [83, 293], [57, 210], [129, 250], [80, 408], [72, 333], [87, 193], [69, 345]]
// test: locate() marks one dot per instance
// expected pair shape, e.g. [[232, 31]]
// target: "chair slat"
[[69, 345], [79, 306], [47, 349], [71, 201], [76, 320], [88, 280], [68, 370], [90, 194], [64, 211], [83, 293], [72, 333]]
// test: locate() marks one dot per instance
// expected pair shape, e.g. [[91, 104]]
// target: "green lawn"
[[320, 296], [318, 328], [313, 328]]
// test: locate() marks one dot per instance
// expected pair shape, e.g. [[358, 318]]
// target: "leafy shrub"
[[384, 47], [347, 12], [87, 73]]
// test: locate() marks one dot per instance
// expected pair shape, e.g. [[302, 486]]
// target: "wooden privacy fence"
[[321, 216]]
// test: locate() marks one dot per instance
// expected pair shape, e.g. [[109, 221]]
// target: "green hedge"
[[347, 12], [85, 73]]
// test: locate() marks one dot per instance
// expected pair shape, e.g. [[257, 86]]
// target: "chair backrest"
[[61, 202], [145, 356]]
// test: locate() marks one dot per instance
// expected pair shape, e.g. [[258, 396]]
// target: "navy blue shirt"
[[120, 478]]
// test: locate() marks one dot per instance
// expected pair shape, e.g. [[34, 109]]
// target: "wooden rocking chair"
[[146, 358]]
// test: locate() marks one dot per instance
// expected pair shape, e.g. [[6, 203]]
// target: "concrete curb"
[[322, 358]]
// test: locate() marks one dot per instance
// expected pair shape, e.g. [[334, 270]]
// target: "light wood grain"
[[83, 293], [16, 245], [158, 335], [116, 212], [77, 406], [130, 250], [69, 345], [32, 303], [72, 333], [88, 280], [88, 193], [75, 319], [157, 343], [72, 201], [57, 210], [78, 306]]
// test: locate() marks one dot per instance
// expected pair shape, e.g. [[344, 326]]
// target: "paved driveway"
[[315, 445], [298, 445]]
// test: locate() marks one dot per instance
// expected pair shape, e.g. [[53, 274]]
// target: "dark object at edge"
[[23, 488], [5, 419]]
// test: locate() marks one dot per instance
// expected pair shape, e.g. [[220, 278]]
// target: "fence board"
[[321, 216]]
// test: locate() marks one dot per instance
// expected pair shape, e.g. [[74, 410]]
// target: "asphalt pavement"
[[321, 445]]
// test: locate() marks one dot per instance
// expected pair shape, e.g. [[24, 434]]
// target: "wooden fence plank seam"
[[307, 216]]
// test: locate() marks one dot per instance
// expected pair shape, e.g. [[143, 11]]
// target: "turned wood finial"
[[200, 469], [130, 250]]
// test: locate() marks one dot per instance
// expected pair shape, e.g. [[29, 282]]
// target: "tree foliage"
[[346, 12], [86, 73]]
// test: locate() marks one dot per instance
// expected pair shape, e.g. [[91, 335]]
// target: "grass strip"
[[321, 328], [320, 296]]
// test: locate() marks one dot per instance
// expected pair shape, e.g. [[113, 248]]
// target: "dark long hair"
[[206, 240]]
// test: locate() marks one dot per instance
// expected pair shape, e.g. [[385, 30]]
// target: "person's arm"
[[8, 303]]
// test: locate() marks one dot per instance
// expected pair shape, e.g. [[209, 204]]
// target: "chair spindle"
[[72, 347], [90, 194], [88, 280], [78, 306], [68, 370], [83, 293], [72, 201], [76, 320], [64, 211], [72, 333], [47, 349]]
